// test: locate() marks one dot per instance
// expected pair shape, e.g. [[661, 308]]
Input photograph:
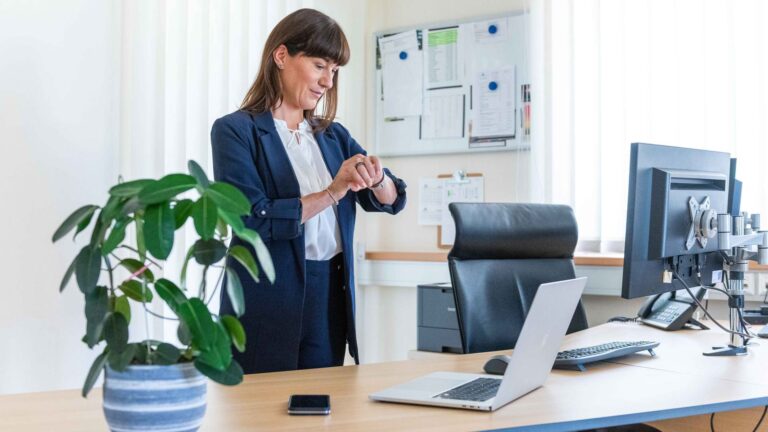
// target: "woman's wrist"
[[380, 184]]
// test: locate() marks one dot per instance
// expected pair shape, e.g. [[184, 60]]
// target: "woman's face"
[[304, 79]]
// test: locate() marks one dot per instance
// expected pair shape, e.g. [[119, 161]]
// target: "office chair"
[[501, 254]]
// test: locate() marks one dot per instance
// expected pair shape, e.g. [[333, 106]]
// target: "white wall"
[[59, 134]]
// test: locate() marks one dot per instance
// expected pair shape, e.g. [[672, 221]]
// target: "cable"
[[706, 312], [759, 422]]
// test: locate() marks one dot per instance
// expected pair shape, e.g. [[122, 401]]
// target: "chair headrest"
[[513, 231]]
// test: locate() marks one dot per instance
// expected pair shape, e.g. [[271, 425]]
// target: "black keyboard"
[[577, 358], [478, 390]]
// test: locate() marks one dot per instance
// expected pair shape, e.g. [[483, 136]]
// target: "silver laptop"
[[531, 362]]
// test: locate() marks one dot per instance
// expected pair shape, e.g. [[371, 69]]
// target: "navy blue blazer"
[[248, 153]]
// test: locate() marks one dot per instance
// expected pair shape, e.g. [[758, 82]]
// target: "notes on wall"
[[451, 88]]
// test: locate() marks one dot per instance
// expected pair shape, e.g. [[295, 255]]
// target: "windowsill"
[[582, 259]]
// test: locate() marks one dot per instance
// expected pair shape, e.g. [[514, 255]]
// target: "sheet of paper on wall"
[[470, 190], [402, 67], [399, 134], [430, 201], [491, 31], [444, 113], [443, 58], [494, 103]]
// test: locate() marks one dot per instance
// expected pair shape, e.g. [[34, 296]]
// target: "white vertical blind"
[[183, 65], [686, 73]]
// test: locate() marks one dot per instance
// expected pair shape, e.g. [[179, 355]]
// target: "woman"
[[303, 174]]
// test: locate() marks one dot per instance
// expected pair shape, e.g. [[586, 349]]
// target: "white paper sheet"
[[430, 201], [402, 66], [491, 31], [442, 65], [444, 111], [493, 105], [470, 191]]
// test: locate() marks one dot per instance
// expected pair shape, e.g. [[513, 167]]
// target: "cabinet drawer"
[[439, 340]]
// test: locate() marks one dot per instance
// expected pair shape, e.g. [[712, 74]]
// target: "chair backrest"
[[501, 254]]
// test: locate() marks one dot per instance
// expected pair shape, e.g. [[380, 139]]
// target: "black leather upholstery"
[[501, 254]]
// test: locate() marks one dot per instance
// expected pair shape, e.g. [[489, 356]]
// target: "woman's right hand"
[[348, 178]]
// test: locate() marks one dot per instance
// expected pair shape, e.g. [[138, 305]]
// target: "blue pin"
[[492, 29], [403, 55], [493, 85]]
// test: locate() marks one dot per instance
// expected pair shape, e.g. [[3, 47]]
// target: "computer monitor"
[[664, 182]]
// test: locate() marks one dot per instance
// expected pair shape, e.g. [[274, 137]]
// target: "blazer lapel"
[[281, 170], [331, 151]]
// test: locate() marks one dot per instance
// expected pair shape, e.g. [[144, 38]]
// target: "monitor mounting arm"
[[735, 237]]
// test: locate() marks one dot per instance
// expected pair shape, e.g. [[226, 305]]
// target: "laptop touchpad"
[[432, 385]]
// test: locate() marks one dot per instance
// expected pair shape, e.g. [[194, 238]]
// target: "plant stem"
[[146, 320], [136, 251], [218, 284], [202, 283], [156, 315], [111, 277]]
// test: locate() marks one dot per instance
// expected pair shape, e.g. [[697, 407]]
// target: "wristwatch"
[[380, 184]]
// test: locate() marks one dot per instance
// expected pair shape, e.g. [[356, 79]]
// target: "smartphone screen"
[[309, 404]]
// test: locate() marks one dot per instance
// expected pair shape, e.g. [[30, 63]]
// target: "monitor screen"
[[667, 187]]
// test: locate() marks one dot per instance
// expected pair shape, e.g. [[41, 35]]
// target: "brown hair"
[[307, 32]]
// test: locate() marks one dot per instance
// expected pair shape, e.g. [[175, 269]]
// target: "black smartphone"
[[309, 405]]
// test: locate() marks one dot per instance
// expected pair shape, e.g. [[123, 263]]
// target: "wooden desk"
[[677, 383]]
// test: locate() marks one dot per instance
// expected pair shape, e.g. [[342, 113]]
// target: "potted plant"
[[132, 235]]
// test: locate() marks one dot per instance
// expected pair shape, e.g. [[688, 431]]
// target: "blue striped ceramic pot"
[[155, 398]]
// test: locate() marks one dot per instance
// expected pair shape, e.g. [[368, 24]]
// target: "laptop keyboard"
[[478, 390]]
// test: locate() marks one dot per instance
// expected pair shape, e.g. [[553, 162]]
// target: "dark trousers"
[[324, 323]]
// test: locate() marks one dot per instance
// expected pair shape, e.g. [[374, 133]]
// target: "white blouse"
[[322, 237]]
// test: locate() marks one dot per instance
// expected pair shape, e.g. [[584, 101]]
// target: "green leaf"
[[170, 293], [205, 215], [244, 257], [229, 198], [166, 354], [73, 220], [131, 206], [198, 173], [159, 228], [96, 308], [83, 224], [208, 252], [261, 250], [219, 354], [123, 307], [130, 188], [134, 265], [97, 235], [95, 371], [222, 228], [119, 361], [183, 277], [116, 332], [183, 333], [232, 376], [181, 212], [68, 275], [236, 331], [115, 237], [88, 268], [166, 188], [141, 354], [136, 290], [198, 319], [236, 222], [235, 292], [112, 209]]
